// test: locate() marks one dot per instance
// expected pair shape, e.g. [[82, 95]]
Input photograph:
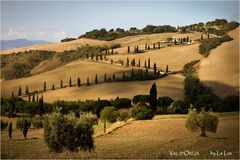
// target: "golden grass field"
[[221, 69], [139, 139]]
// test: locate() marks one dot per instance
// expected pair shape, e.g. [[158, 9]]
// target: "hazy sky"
[[54, 21]]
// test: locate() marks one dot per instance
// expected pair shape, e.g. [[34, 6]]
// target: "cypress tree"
[[167, 69], [88, 83], [91, 56], [101, 57], [61, 84], [19, 91], [158, 73], [113, 77], [26, 90], [208, 35], [141, 74], [111, 61], [105, 77], [70, 82], [97, 57], [106, 51], [139, 62], [153, 97], [29, 97], [44, 86], [146, 73], [146, 46], [123, 76], [149, 65], [127, 62], [201, 36], [159, 45], [153, 45], [10, 130], [105, 56], [25, 128], [41, 106], [12, 94], [112, 51], [175, 41], [155, 68], [137, 49], [128, 50], [37, 96], [87, 56], [149, 47], [53, 87], [132, 74], [187, 39], [133, 62], [33, 97], [145, 64], [78, 82], [96, 79]]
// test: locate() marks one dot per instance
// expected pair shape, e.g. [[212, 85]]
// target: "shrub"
[[204, 121], [68, 39], [162, 104], [67, 132], [141, 98], [37, 122], [109, 114], [179, 107], [89, 118], [123, 114], [122, 103], [20, 123], [142, 112], [207, 45]]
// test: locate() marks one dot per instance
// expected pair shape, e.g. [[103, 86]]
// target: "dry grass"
[[139, 139], [221, 69]]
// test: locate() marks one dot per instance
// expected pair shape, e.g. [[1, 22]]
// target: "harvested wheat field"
[[175, 57], [171, 86], [221, 69], [140, 139], [74, 70]]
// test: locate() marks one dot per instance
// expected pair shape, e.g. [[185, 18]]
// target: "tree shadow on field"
[[23, 139]]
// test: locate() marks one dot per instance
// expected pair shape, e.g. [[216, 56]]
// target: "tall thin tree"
[[153, 97]]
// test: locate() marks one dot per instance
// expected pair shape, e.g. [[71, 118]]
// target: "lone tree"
[[70, 82], [19, 91], [25, 128], [203, 121], [127, 62], [167, 69], [53, 87], [61, 84], [153, 97], [10, 130], [41, 106], [149, 65], [155, 68], [44, 86], [78, 82], [96, 79], [128, 50]]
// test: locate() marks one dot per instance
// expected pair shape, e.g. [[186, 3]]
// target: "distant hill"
[[17, 43]]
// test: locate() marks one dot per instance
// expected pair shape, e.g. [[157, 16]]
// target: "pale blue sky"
[[53, 21]]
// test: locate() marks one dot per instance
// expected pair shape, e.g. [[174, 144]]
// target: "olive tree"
[[203, 121]]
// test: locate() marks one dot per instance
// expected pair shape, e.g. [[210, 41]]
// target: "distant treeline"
[[112, 34]]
